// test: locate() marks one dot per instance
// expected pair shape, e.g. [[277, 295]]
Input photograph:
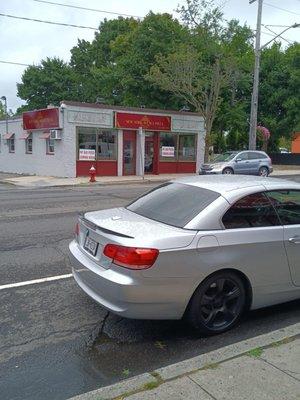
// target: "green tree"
[[185, 74], [233, 113], [2, 111], [212, 73], [133, 54], [50, 82], [92, 60], [279, 100]]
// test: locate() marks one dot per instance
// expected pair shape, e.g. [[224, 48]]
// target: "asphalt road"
[[54, 341]]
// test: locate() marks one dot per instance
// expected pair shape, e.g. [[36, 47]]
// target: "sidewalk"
[[30, 181], [265, 367], [50, 181]]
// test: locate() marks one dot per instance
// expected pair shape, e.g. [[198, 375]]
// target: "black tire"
[[263, 171], [227, 171], [217, 304]]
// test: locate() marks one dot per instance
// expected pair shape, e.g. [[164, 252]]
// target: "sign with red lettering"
[[41, 119], [167, 151], [147, 122], [87, 155]]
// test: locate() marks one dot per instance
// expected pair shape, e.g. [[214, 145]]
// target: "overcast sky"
[[28, 42]]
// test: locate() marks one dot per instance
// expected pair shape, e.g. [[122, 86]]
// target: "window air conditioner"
[[55, 134]]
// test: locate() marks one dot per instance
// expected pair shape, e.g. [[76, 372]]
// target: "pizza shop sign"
[[145, 121], [47, 118]]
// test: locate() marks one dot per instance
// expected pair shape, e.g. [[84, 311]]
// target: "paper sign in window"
[[167, 151], [87, 155]]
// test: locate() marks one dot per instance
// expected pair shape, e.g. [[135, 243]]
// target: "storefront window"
[[103, 142], [187, 147], [168, 146], [107, 145]]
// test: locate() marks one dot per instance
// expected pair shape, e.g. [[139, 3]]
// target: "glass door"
[[129, 153], [149, 153]]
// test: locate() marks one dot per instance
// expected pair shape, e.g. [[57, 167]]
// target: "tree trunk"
[[207, 127]]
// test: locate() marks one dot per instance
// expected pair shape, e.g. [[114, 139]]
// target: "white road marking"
[[34, 281]]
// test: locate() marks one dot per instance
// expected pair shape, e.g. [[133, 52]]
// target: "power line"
[[49, 22], [87, 9], [14, 63], [277, 26], [282, 9], [276, 35]]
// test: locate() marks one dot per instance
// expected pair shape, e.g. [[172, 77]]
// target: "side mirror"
[[238, 159]]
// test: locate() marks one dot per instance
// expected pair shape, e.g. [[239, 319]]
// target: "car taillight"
[[76, 230], [131, 257]]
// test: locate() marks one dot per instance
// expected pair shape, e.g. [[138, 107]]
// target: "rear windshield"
[[174, 204]]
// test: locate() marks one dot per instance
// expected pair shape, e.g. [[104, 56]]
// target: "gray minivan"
[[245, 162]]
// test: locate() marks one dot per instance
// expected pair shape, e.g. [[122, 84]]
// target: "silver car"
[[203, 247], [243, 162]]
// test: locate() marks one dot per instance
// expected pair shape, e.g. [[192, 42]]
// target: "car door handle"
[[295, 240]]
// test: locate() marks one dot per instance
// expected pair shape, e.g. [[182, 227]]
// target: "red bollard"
[[92, 173]]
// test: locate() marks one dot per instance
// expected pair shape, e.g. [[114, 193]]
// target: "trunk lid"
[[124, 227]]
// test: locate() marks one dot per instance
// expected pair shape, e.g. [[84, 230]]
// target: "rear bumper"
[[128, 293]]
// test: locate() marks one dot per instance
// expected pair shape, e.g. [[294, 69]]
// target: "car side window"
[[251, 211], [256, 156], [287, 204], [242, 156]]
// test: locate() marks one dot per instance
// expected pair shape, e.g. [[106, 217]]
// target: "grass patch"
[[211, 366], [156, 376], [255, 352], [151, 385]]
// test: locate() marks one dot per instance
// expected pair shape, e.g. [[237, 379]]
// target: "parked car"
[[283, 150], [204, 247], [239, 162]]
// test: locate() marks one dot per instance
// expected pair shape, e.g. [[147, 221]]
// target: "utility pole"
[[254, 99]]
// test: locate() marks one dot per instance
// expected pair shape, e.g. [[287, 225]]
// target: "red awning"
[[24, 135], [8, 136], [45, 135]]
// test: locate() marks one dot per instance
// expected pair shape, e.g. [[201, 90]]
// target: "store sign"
[[185, 123], [103, 119], [41, 119], [147, 122], [168, 151], [87, 155]]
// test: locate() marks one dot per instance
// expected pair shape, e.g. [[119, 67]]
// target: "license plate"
[[90, 245]]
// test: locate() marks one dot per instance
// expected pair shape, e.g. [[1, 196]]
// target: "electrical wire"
[[278, 35], [48, 22], [276, 26], [14, 63], [282, 9], [87, 9]]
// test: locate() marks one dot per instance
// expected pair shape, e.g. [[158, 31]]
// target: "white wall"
[[61, 164]]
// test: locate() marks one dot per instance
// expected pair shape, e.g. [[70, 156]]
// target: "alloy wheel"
[[221, 304], [263, 171], [227, 171]]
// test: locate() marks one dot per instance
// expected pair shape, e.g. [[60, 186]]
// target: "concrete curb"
[[44, 184], [155, 378], [86, 184]]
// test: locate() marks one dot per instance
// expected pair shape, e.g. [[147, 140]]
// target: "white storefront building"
[[66, 141]]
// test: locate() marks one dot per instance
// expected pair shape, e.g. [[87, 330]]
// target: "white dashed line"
[[35, 281]]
